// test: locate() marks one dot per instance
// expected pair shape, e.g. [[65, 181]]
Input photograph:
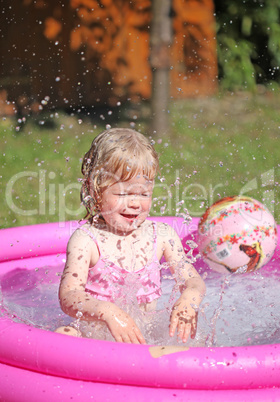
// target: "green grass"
[[216, 147]]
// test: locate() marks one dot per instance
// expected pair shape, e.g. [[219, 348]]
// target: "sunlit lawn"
[[217, 147]]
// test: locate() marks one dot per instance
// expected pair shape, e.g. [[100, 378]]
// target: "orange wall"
[[89, 51]]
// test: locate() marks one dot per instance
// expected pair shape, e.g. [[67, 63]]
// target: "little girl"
[[118, 243]]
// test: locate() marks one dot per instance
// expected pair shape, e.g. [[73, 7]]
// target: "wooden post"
[[160, 42]]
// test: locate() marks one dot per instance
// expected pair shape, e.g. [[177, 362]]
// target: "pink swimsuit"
[[107, 281]]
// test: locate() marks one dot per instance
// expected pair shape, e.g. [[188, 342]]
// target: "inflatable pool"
[[40, 365]]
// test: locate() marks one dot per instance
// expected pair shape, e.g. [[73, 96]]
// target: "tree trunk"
[[160, 40]]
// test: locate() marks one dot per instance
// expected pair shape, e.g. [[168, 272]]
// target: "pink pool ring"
[[237, 235], [39, 365]]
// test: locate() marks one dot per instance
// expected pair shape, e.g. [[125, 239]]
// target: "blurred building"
[[87, 52]]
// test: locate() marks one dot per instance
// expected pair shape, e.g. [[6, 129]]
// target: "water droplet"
[[180, 203]]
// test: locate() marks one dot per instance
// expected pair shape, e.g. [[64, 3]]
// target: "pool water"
[[238, 309]]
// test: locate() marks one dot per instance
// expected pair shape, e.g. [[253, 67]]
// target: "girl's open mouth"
[[129, 216]]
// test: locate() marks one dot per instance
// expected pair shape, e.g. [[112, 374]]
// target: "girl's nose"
[[134, 202]]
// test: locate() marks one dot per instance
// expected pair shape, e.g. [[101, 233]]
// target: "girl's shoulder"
[[86, 228], [83, 240], [167, 238], [83, 235], [167, 234], [164, 230]]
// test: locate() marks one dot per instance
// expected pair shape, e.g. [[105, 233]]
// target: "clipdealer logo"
[[51, 198], [48, 194]]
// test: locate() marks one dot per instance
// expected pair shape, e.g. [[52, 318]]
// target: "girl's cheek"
[[148, 204]]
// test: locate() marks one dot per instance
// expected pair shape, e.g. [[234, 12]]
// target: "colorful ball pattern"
[[237, 234]]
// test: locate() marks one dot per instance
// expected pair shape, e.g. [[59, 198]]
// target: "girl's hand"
[[184, 318], [123, 327]]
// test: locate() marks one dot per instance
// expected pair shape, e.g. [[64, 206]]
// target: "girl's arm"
[[192, 287], [82, 253]]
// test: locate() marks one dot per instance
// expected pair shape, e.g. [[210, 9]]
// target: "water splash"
[[236, 311]]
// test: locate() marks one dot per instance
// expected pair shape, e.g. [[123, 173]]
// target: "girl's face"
[[125, 205]]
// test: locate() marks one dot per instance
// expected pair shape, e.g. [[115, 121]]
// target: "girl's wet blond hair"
[[117, 154]]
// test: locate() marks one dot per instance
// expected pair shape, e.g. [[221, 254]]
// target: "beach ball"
[[237, 234]]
